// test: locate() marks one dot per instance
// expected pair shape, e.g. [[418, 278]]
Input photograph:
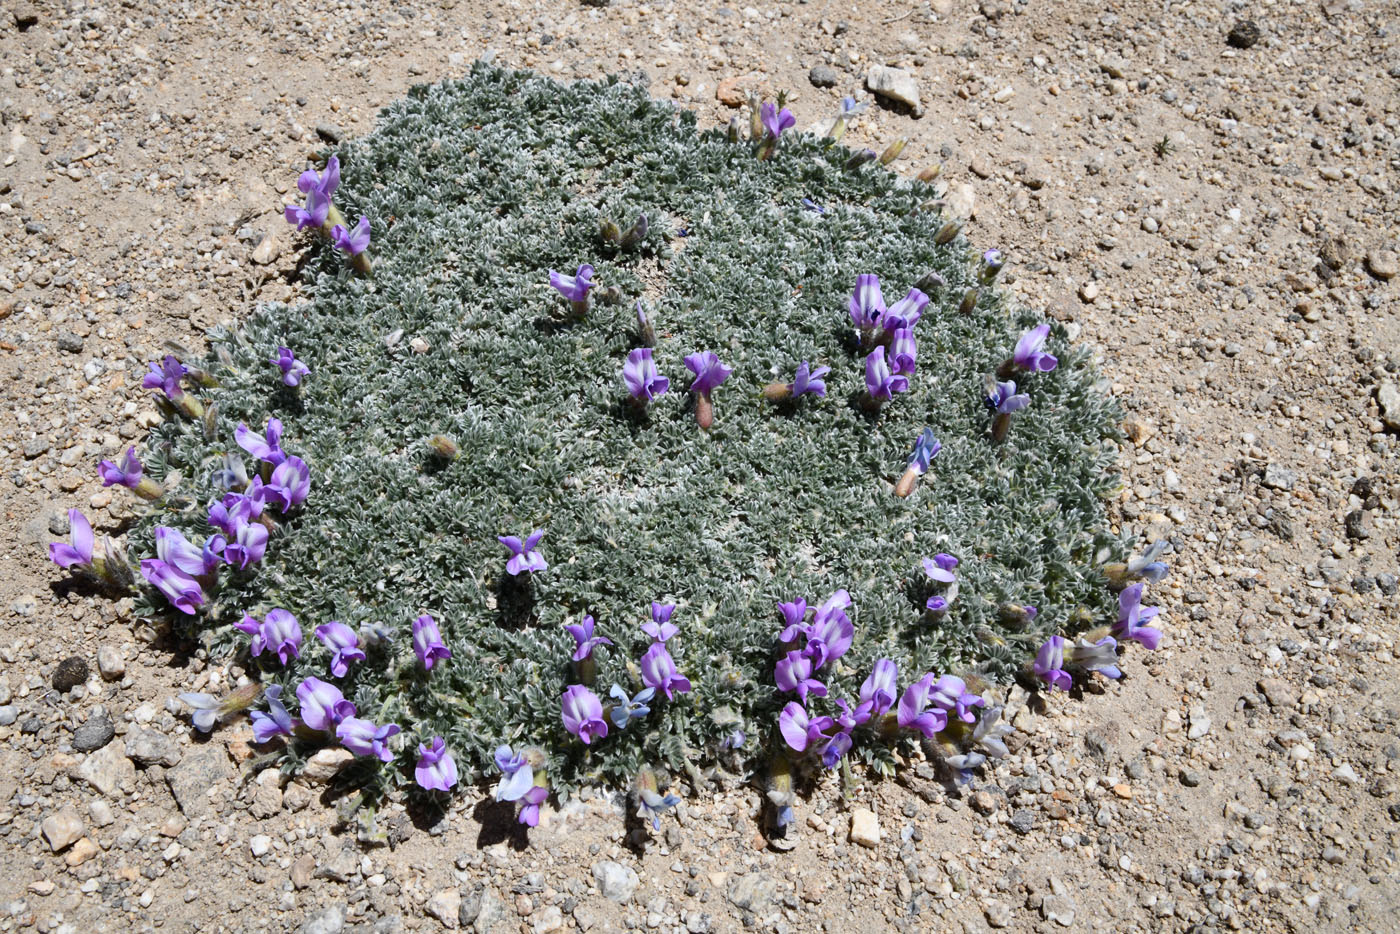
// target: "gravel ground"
[[1211, 200]]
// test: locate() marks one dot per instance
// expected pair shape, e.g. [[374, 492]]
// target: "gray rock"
[[822, 76], [616, 881], [893, 84], [1383, 264], [445, 905], [753, 891], [267, 250], [1058, 908], [1278, 477], [70, 343], [491, 918], [94, 734], [330, 132], [1388, 399], [148, 747], [1243, 34], [326, 921], [110, 662], [108, 770], [471, 907], [192, 779], [1023, 820], [8, 714]]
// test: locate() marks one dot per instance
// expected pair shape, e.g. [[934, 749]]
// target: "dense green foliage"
[[475, 189]]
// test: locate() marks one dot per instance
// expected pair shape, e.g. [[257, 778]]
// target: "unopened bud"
[[892, 151], [838, 130], [906, 484], [931, 172], [777, 392], [704, 410], [930, 283], [609, 232], [635, 234], [209, 423], [443, 446], [189, 405], [969, 302], [733, 132], [947, 232], [859, 159], [755, 117]]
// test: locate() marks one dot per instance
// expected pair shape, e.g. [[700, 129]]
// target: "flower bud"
[[931, 172], [732, 133], [859, 159], [838, 130], [188, 405], [930, 283], [635, 234], [148, 489], [947, 232], [906, 484], [704, 410], [892, 151], [777, 392], [609, 232], [969, 302], [755, 117], [444, 447], [209, 424]]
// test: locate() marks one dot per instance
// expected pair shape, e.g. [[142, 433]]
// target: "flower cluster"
[[320, 213]]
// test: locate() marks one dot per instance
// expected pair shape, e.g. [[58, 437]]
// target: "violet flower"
[[79, 553], [435, 771], [659, 672], [574, 288], [644, 382], [867, 306], [830, 635], [289, 484], [809, 380], [793, 615], [926, 448], [276, 722], [1133, 616], [799, 728], [775, 121], [523, 556], [877, 693], [292, 368], [952, 695], [166, 377], [182, 590], [322, 184], [1050, 664], [652, 803], [913, 709], [709, 374], [992, 261], [905, 313], [1030, 352], [278, 633], [936, 604], [517, 775], [880, 383], [232, 475], [583, 714], [247, 546], [427, 642], [365, 738], [318, 208], [661, 628], [267, 448], [794, 673], [1003, 400], [344, 645], [323, 707], [584, 640], [1144, 567], [206, 710], [355, 240], [836, 749], [530, 814], [940, 568], [233, 512], [1100, 656], [178, 552], [128, 473], [903, 352], [628, 709]]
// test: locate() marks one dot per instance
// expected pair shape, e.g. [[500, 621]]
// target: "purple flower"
[[267, 448], [775, 121], [812, 206], [206, 710], [793, 615], [1101, 656], [652, 803], [1050, 664], [435, 770], [645, 330], [628, 709], [183, 591], [517, 775], [353, 241], [247, 546], [878, 692], [323, 707], [879, 381], [659, 671], [364, 738], [318, 208], [1144, 567], [644, 381], [530, 814], [800, 729], [1133, 616], [849, 107], [809, 380], [940, 568], [914, 712], [1030, 354], [905, 313], [661, 628], [952, 695], [233, 475], [829, 637], [584, 640], [867, 305], [175, 550], [583, 714], [794, 673], [936, 604], [835, 749], [344, 645], [992, 261], [276, 722], [709, 372], [926, 448], [288, 485], [292, 368], [523, 556], [427, 642], [79, 553], [903, 352], [326, 184], [127, 473], [574, 288], [166, 377], [233, 512], [278, 633], [1004, 400]]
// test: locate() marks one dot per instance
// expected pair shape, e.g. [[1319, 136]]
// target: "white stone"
[[62, 829], [865, 827], [323, 766], [894, 84], [259, 844], [445, 905]]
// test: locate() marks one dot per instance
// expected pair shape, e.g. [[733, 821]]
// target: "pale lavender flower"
[[992, 261], [830, 635], [628, 709], [584, 640], [849, 107], [1050, 664], [1101, 656], [1030, 351], [276, 722], [318, 208], [182, 590], [659, 672], [794, 613], [344, 645], [178, 552], [652, 803], [904, 354], [940, 568], [836, 748], [867, 305], [427, 642], [354, 240], [878, 692], [166, 377], [709, 372], [574, 288], [323, 707], [289, 484], [913, 709], [951, 693], [1133, 617], [644, 382], [809, 380], [278, 633], [523, 556], [926, 448], [936, 604], [794, 673], [905, 313], [530, 814], [247, 546], [517, 775], [365, 738], [235, 511], [127, 473], [1003, 398], [232, 475], [79, 553], [661, 628], [799, 728], [812, 206], [583, 714], [267, 448], [775, 121], [435, 770], [206, 710], [292, 368], [323, 184], [879, 381]]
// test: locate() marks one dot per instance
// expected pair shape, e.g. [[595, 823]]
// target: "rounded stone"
[[70, 673], [94, 734]]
